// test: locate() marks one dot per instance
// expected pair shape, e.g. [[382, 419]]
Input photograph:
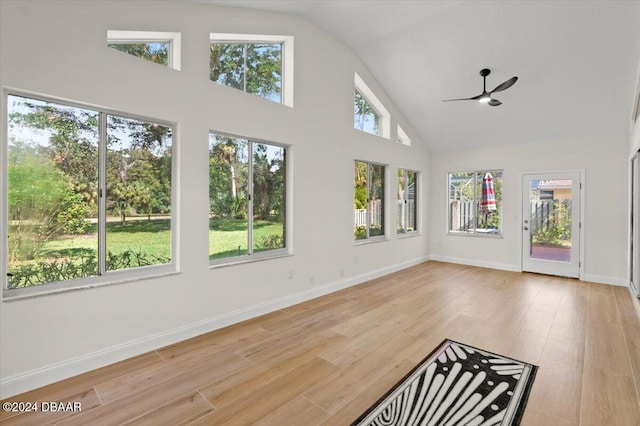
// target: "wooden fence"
[[549, 213]]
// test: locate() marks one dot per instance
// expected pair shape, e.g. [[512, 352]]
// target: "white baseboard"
[[29, 380], [473, 262], [601, 279]]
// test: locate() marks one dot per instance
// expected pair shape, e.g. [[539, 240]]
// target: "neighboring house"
[[555, 190]]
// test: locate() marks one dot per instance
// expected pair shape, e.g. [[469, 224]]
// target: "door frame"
[[581, 173], [634, 225]]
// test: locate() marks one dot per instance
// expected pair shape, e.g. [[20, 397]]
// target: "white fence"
[[360, 215], [404, 211]]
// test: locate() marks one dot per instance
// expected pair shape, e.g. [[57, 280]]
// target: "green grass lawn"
[[227, 237], [138, 242]]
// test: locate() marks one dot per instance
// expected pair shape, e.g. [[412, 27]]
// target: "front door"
[[551, 223]]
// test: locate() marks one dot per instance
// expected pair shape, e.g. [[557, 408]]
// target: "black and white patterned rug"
[[456, 384]]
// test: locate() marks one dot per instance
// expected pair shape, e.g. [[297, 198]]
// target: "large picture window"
[[475, 202], [88, 193], [368, 200], [247, 196], [407, 201]]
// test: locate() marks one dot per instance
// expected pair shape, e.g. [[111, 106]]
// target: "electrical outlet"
[[312, 281], [341, 273], [290, 273]]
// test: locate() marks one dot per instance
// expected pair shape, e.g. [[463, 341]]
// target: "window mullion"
[[102, 194]]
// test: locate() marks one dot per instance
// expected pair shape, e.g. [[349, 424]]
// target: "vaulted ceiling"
[[576, 61]]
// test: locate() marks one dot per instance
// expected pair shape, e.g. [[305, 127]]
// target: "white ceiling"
[[576, 61]]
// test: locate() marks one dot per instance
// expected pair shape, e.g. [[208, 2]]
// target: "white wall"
[[58, 49], [605, 197]]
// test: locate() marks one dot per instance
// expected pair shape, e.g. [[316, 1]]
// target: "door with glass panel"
[[551, 223]]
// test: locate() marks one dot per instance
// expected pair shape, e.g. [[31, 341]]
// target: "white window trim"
[[385, 117], [267, 254], [173, 38], [287, 56], [113, 277], [403, 138]]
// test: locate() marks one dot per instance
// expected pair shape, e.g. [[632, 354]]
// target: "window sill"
[[113, 278], [370, 240], [408, 235], [231, 261], [475, 234]]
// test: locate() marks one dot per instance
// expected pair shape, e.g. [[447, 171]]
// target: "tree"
[[251, 67], [228, 176], [138, 167], [42, 203], [154, 52], [360, 185], [72, 135]]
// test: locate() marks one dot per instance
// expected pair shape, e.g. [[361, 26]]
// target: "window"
[[89, 194], [159, 47], [260, 65], [247, 198], [368, 200], [403, 138], [369, 115], [475, 202], [365, 117], [407, 201]]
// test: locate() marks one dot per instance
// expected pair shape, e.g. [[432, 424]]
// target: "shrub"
[[269, 242], [30, 274]]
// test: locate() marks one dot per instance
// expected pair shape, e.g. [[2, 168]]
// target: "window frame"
[[405, 199], [382, 237], [403, 138], [107, 277], [266, 254], [287, 52], [476, 202], [384, 123], [132, 37]]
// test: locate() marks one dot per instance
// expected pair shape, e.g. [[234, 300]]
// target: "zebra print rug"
[[455, 385]]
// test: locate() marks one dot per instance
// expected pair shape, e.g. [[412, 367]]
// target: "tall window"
[[260, 65], [159, 47], [368, 200], [247, 195], [369, 115], [407, 201], [475, 202], [89, 193]]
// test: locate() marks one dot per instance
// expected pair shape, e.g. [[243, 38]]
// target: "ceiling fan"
[[485, 97]]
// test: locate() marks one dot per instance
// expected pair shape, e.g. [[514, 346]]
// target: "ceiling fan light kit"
[[485, 97]]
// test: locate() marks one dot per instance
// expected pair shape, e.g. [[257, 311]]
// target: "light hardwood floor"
[[327, 360]]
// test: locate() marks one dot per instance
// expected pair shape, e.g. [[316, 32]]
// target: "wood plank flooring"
[[325, 361]]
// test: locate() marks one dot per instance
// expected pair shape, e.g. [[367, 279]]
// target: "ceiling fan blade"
[[494, 102], [464, 99], [505, 85]]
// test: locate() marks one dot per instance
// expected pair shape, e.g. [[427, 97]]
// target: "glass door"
[[551, 223]]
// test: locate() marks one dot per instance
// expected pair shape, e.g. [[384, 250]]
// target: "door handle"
[[526, 228]]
